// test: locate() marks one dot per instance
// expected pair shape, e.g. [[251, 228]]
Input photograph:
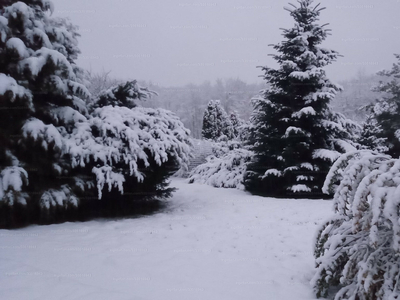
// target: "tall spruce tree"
[[39, 81], [296, 136]]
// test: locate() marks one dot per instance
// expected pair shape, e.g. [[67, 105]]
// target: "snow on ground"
[[212, 244]]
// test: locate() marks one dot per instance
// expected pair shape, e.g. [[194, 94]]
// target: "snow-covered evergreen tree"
[[371, 133], [296, 136], [237, 124], [59, 152], [139, 147], [216, 122], [358, 250], [387, 109], [38, 81], [210, 122]]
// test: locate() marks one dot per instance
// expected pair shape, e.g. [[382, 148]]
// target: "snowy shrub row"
[[358, 250]]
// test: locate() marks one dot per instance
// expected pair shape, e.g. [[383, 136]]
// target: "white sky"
[[174, 42]]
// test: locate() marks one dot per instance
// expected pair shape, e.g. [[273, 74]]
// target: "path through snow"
[[213, 244]]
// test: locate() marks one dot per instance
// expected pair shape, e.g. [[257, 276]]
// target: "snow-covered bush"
[[222, 147], [115, 153], [63, 148], [358, 250], [225, 171], [225, 168], [112, 138]]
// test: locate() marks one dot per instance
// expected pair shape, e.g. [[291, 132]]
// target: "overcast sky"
[[174, 42]]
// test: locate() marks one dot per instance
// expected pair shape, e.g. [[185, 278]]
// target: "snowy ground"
[[214, 244]]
